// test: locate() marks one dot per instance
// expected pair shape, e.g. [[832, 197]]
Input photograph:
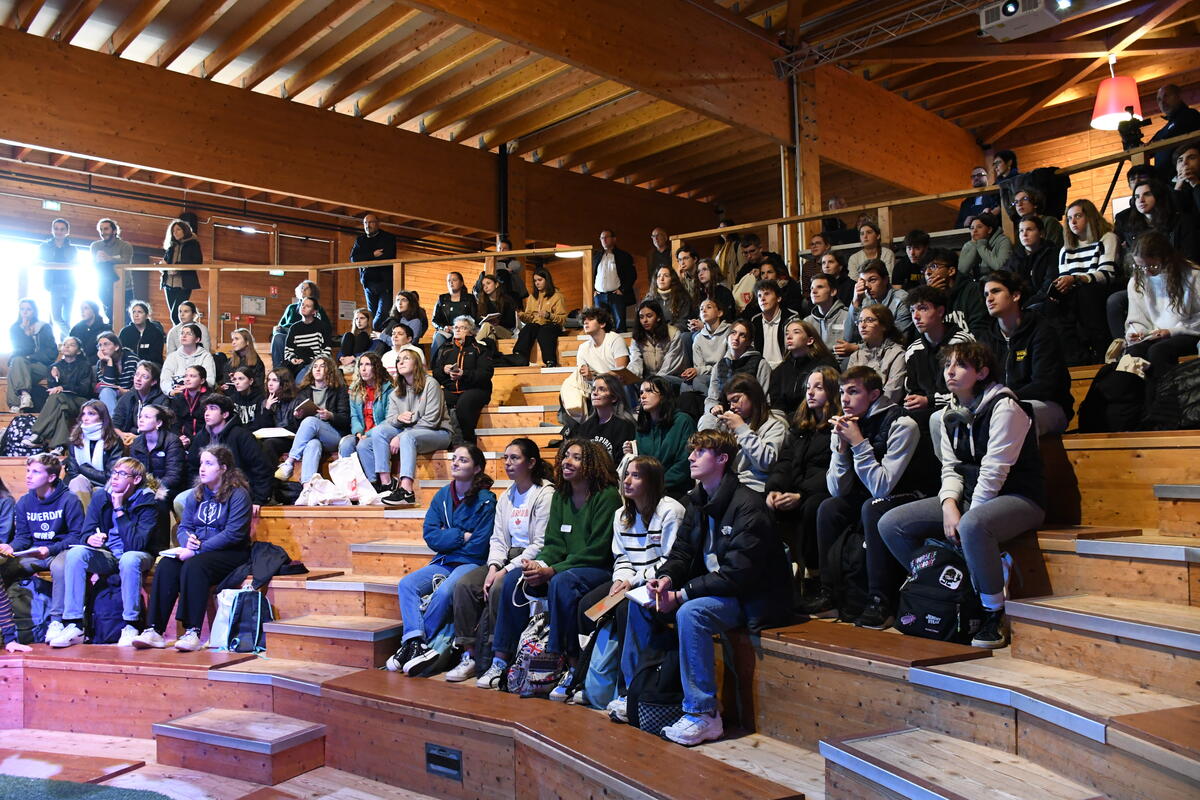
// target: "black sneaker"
[[398, 497], [549, 364], [875, 616], [407, 650], [991, 634], [422, 655], [822, 606]]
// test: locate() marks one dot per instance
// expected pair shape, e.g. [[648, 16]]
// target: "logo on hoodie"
[[208, 513]]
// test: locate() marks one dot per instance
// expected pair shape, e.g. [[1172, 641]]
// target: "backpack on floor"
[[848, 565], [30, 601], [534, 672], [20, 427], [938, 600], [250, 611], [1114, 402], [655, 699], [107, 618]]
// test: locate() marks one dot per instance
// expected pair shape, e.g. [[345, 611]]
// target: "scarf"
[[91, 449]]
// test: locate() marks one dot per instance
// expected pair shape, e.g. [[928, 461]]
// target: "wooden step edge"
[[1183, 550], [1081, 532], [391, 547], [540, 389], [415, 512], [534, 409], [183, 729], [1035, 610], [549, 429], [1176, 491], [291, 627], [1125, 733], [350, 584]]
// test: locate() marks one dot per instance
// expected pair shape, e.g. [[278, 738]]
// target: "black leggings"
[[175, 296], [1163, 355], [190, 582], [884, 572], [546, 334], [466, 407]]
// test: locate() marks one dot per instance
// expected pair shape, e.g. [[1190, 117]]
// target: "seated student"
[[544, 315], [145, 392], [768, 325], [964, 297], [518, 532], [1164, 306], [805, 353], [741, 358], [158, 449], [1034, 259], [881, 350], [307, 340], [1031, 202], [291, 315], [604, 350], [674, 301], [874, 288], [986, 250], [710, 285], [760, 432], [417, 421], [662, 434], [1028, 354], [710, 342], [710, 584], [70, 385], [610, 424], [828, 315], [214, 536], [457, 528], [1187, 177], [456, 302], [246, 394], [992, 486], [90, 326], [464, 369], [839, 279], [792, 295], [92, 449], [275, 411], [575, 558], [115, 366], [401, 339], [1087, 267], [188, 315], [924, 385], [143, 336], [33, 351], [370, 394], [1156, 210], [188, 405], [189, 353], [8, 627], [873, 248], [910, 267], [221, 428], [796, 486], [657, 348], [643, 530], [118, 529], [50, 518], [497, 311], [321, 431], [358, 340], [872, 469], [406, 310]]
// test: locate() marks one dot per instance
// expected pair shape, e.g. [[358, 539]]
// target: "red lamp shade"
[[1112, 97]]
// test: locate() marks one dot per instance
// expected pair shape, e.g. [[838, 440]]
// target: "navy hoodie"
[[218, 526], [54, 523], [135, 525]]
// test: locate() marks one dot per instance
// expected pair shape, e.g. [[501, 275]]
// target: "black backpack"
[[107, 618], [938, 601], [848, 565], [655, 699], [1114, 402]]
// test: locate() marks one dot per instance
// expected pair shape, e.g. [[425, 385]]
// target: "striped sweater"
[[639, 550], [306, 341], [1097, 260], [120, 374]]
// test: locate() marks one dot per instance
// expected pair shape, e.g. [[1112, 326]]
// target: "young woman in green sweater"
[[576, 558], [662, 433]]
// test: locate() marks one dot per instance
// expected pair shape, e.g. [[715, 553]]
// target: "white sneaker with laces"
[[284, 471], [618, 709], [25, 401], [464, 670], [69, 635], [128, 634], [491, 678], [692, 729], [189, 642], [561, 693], [149, 639], [53, 631]]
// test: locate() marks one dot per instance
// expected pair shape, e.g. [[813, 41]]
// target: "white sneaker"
[[25, 401], [284, 471], [618, 710], [189, 642], [561, 693], [128, 634], [14, 409], [491, 678], [149, 639], [692, 729], [464, 670], [68, 636], [53, 631]]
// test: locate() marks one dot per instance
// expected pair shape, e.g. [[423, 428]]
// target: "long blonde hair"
[[419, 375], [250, 358]]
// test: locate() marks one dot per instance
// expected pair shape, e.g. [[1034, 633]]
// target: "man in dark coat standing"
[[614, 276], [374, 244]]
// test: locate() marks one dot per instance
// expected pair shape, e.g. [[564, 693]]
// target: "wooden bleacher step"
[[498, 416], [426, 489], [1151, 644], [541, 393], [496, 439], [389, 557], [827, 641], [305, 677], [345, 594], [1178, 509], [1169, 737], [63, 766], [923, 765], [347, 640], [255, 746]]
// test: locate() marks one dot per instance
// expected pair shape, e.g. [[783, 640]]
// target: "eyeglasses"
[[934, 266], [978, 174], [120, 473]]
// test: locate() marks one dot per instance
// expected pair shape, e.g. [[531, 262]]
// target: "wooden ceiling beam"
[[551, 113], [501, 89], [22, 14], [688, 156], [1031, 51], [982, 87], [458, 75], [688, 182], [58, 159], [426, 35], [735, 83], [612, 119], [599, 155], [245, 37], [69, 22], [350, 47], [195, 27], [808, 14], [303, 38], [23, 153], [556, 88], [436, 64], [134, 23], [658, 144]]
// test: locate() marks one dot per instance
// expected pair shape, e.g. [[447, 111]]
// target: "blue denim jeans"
[[567, 588], [82, 561], [376, 456], [417, 584], [30, 565], [512, 618], [314, 437], [696, 621], [615, 303], [278, 341], [439, 339], [109, 397]]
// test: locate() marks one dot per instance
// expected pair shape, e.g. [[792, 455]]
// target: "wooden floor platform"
[[25, 763]]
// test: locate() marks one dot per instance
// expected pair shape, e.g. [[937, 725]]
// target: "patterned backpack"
[[10, 443]]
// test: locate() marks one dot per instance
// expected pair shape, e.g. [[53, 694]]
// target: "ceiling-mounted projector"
[[1012, 19]]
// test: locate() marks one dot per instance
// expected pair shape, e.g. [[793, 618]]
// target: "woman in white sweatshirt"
[[1163, 322], [190, 353]]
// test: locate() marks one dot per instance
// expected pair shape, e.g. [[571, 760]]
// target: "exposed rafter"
[[134, 23], [195, 27], [245, 36], [304, 37]]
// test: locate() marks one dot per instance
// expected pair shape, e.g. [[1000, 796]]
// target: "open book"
[[272, 433]]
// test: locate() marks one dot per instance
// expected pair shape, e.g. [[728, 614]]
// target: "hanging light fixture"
[[1113, 98]]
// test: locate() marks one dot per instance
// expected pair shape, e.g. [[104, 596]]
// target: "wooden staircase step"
[[496, 439], [1154, 547], [389, 557], [22, 763], [1151, 644], [1178, 509], [347, 640], [917, 763], [426, 489], [256, 746], [1169, 737], [347, 593], [283, 673], [496, 416], [886, 647]]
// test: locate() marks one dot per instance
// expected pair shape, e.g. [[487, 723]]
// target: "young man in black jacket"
[[221, 426], [726, 568], [1029, 355], [925, 384], [964, 299]]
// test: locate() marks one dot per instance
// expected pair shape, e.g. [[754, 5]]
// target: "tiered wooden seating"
[[63, 766], [351, 641], [1178, 510]]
